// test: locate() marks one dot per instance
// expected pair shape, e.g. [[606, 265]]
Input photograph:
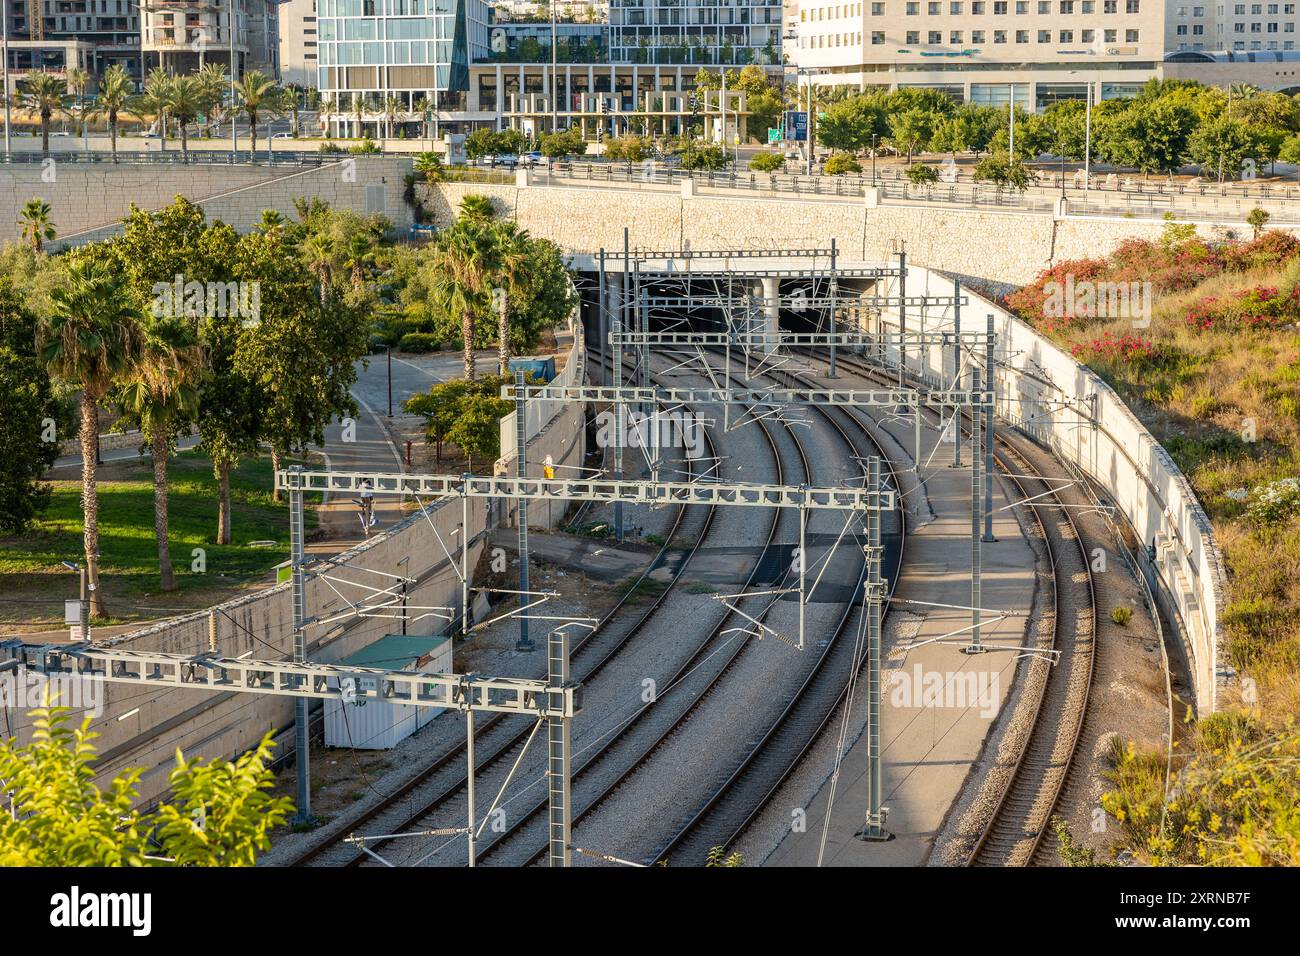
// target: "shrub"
[[1002, 170], [919, 174], [1122, 615], [1109, 347], [1275, 502], [364, 147], [418, 342], [841, 163], [767, 163]]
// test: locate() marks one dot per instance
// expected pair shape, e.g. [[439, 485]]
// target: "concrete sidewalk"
[[939, 705]]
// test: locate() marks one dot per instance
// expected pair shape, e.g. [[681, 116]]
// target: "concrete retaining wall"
[[1001, 247], [1066, 406], [235, 194]]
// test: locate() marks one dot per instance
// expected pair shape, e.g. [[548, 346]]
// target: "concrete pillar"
[[771, 311], [688, 188], [871, 197]]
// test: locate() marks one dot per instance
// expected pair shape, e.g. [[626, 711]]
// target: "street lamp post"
[[234, 127], [4, 6], [554, 64]]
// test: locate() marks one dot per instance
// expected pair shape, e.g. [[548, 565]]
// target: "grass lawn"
[[33, 584]]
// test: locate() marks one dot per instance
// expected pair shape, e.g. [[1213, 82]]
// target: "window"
[[877, 38], [1131, 6], [954, 37], [1067, 36], [1067, 6], [999, 8], [913, 37], [1044, 7], [933, 8], [999, 36], [1130, 36], [1110, 36], [913, 9], [1110, 6], [877, 9], [1022, 36], [977, 8], [1044, 36], [1087, 36], [1181, 30], [955, 8], [1022, 7], [935, 38], [977, 36], [1087, 7]]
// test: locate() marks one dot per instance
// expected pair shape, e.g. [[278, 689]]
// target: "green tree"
[[259, 98], [439, 407], [477, 207], [219, 815], [1221, 146], [954, 134], [477, 429], [1151, 137], [851, 124], [481, 142], [767, 163], [910, 131], [28, 406], [34, 223], [1257, 219], [559, 145], [114, 97], [1289, 152], [78, 83], [161, 392], [214, 82], [713, 158], [429, 165], [46, 94], [630, 149], [89, 341], [1000, 169]]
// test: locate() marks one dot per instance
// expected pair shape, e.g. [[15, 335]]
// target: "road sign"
[[773, 135]]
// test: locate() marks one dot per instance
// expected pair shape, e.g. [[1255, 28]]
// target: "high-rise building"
[[299, 51], [695, 32], [384, 63], [182, 35], [987, 51], [58, 35]]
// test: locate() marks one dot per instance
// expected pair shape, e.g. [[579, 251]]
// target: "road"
[[372, 446]]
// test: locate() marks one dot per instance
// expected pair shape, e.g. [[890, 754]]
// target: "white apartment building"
[[986, 51], [182, 35], [299, 53]]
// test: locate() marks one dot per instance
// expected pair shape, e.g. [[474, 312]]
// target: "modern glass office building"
[[378, 59]]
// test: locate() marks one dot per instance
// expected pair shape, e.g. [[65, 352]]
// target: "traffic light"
[[694, 103]]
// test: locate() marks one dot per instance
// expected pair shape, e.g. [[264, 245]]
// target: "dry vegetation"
[[1216, 377]]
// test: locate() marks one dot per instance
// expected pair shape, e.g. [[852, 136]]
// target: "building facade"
[[299, 51], [183, 35], [695, 32]]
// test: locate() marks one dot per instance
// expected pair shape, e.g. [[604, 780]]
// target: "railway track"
[[498, 754], [498, 735], [768, 763], [524, 841], [1014, 833]]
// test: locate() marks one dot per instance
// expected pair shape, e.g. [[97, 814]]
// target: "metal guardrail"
[[174, 157]]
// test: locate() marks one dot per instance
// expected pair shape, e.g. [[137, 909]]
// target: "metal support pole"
[[212, 632], [803, 566], [834, 290], [976, 491], [902, 316], [620, 423], [469, 786], [989, 380], [388, 350], [521, 469], [956, 371], [464, 558], [874, 828], [600, 315], [557, 753], [302, 756], [4, 12]]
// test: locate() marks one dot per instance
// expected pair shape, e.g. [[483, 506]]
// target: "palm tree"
[[271, 219], [429, 165], [78, 83], [358, 257], [463, 265], [156, 100], [35, 224], [213, 82], [477, 208], [258, 96], [161, 390], [512, 261], [391, 106], [114, 97], [89, 340], [185, 99], [46, 94], [319, 250]]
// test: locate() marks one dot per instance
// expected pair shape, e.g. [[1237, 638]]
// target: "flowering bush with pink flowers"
[[1115, 348]]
